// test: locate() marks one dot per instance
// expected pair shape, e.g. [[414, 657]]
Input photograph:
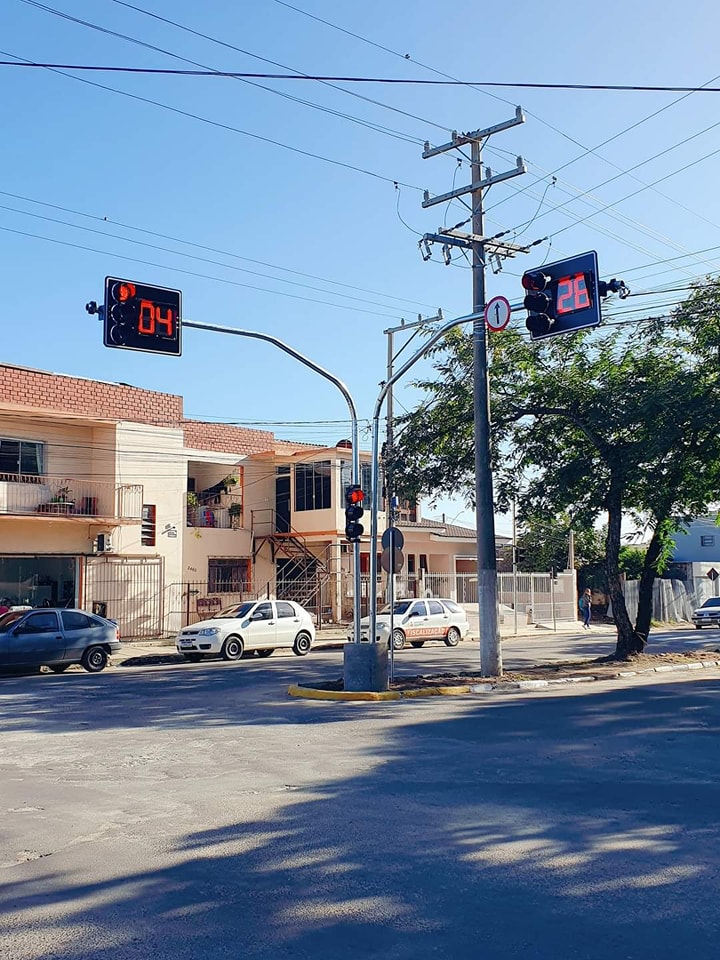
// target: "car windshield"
[[236, 610], [8, 620], [712, 602], [401, 606]]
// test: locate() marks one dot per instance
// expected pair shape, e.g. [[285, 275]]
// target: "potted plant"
[[228, 482], [62, 502], [193, 502], [235, 513]]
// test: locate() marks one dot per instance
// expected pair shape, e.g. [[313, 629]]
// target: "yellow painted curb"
[[436, 691], [309, 693]]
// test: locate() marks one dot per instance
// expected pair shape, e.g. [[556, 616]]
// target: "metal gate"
[[128, 590]]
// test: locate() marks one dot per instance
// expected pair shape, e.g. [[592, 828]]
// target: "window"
[[76, 621], [436, 607], [312, 486], [20, 457], [418, 609], [228, 575], [423, 562], [263, 611], [40, 622], [285, 609], [707, 541], [452, 606], [147, 530]]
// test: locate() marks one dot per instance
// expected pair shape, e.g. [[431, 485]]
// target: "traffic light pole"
[[253, 335]]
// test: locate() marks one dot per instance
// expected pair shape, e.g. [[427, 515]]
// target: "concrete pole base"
[[365, 667]]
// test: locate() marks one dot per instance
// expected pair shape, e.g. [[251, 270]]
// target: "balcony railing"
[[31, 495], [227, 515]]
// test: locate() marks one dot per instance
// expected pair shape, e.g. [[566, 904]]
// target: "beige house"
[[110, 499]]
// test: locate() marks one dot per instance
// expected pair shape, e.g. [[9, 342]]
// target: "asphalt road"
[[195, 811]]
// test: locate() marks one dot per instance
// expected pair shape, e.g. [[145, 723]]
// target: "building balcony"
[[28, 495], [226, 515]]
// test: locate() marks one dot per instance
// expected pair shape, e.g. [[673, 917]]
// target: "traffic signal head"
[[563, 296], [353, 511], [139, 317]]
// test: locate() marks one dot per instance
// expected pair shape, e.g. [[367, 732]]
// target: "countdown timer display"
[[563, 297], [138, 316]]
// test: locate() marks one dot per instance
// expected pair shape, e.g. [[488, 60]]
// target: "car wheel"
[[453, 637], [59, 667], [265, 653], [303, 642], [232, 648], [94, 659], [398, 640], [417, 643], [193, 657]]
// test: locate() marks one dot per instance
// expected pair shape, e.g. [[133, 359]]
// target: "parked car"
[[708, 615], [56, 638], [418, 621], [259, 625]]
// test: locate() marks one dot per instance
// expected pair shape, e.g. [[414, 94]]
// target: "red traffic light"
[[354, 496], [535, 280]]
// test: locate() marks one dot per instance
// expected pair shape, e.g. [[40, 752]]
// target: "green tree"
[[590, 424]]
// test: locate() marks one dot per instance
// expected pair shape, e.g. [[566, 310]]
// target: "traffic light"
[[139, 317], [562, 297], [353, 511]]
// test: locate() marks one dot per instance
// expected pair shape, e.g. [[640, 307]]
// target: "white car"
[[708, 615], [417, 621], [259, 625]]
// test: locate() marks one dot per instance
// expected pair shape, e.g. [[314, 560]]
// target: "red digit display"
[[572, 295]]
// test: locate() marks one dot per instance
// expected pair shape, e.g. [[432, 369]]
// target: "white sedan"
[[258, 625], [417, 621]]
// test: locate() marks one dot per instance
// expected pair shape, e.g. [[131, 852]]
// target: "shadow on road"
[[565, 827]]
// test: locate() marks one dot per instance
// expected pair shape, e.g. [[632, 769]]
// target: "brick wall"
[[21, 387], [224, 438]]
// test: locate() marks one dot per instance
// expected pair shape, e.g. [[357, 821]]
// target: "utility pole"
[[481, 247]]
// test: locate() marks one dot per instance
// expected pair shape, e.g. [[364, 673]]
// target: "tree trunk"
[[647, 579], [628, 642]]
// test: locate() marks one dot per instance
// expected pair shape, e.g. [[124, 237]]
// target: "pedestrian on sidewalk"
[[585, 605]]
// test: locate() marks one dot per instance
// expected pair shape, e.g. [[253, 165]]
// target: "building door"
[[282, 500]]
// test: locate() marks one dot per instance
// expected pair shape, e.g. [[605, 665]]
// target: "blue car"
[[56, 638]]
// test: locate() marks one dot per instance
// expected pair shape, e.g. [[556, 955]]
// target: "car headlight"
[[381, 624], [208, 631]]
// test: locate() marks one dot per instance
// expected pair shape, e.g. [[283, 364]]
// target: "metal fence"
[[128, 590], [673, 600]]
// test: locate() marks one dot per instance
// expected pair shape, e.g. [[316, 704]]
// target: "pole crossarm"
[[462, 139], [476, 185], [455, 238]]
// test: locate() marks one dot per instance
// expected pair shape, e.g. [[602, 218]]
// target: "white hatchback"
[[417, 621], [261, 626]]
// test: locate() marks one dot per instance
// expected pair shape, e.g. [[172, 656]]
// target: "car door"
[[438, 619], [260, 633], [80, 632], [37, 639], [288, 623], [415, 623]]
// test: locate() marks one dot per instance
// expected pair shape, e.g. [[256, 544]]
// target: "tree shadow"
[[556, 827]]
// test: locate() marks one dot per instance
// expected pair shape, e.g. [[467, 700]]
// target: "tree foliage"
[[606, 422]]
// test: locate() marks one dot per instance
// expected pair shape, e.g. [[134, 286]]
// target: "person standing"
[[585, 605]]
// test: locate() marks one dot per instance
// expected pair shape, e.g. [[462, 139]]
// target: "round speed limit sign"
[[497, 313]]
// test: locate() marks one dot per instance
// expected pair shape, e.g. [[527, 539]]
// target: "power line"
[[200, 246], [414, 81], [193, 273], [219, 124]]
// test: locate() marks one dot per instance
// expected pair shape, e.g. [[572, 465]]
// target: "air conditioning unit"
[[104, 543]]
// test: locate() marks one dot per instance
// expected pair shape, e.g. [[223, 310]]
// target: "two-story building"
[[112, 500]]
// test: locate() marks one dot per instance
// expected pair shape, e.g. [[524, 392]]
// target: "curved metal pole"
[[355, 439], [438, 335]]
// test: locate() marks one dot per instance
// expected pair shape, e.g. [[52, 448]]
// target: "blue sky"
[[319, 255]]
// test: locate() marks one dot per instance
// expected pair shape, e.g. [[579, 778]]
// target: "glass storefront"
[[33, 580]]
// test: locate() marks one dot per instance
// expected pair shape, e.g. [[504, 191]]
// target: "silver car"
[[56, 638], [418, 621], [708, 615]]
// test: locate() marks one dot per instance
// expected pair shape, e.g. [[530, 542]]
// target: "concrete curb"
[[312, 693]]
